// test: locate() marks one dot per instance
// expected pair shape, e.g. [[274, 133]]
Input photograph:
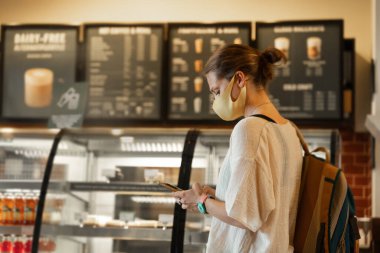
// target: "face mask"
[[227, 109]]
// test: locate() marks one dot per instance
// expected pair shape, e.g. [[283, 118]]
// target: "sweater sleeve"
[[249, 197]]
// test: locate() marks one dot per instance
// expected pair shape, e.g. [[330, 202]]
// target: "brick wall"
[[356, 164]]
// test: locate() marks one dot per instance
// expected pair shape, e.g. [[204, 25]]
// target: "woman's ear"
[[240, 78]]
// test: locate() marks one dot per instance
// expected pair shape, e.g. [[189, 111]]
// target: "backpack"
[[326, 219]]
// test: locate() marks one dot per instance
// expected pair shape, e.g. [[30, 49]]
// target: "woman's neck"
[[257, 100]]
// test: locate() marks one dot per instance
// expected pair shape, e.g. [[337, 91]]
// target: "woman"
[[255, 203]]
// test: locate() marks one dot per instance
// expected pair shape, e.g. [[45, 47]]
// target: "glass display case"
[[110, 200], [97, 190]]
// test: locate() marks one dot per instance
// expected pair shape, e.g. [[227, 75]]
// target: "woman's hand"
[[188, 199], [208, 190]]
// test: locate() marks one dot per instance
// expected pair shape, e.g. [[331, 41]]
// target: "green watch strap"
[[202, 206]]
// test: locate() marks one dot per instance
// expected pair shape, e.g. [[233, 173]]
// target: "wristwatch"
[[201, 203]]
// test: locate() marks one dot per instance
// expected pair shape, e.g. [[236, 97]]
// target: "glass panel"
[[22, 165], [111, 200]]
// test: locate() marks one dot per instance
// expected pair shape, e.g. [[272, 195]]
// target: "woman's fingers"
[[190, 207], [178, 194], [188, 197], [208, 190], [197, 188]]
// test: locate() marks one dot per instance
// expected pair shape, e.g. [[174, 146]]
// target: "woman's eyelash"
[[215, 93]]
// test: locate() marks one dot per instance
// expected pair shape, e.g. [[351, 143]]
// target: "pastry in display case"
[[99, 190]]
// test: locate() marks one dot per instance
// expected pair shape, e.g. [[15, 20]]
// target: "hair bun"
[[273, 55]]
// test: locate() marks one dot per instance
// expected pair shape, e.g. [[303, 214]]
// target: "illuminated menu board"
[[36, 60], [124, 71], [309, 85], [190, 46]]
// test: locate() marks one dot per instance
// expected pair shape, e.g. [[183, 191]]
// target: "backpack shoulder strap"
[[264, 117], [301, 138], [305, 147]]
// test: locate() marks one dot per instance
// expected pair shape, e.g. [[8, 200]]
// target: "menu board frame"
[[206, 121], [3, 29], [130, 121], [320, 122]]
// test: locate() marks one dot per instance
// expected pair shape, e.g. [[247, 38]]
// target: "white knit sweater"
[[259, 181]]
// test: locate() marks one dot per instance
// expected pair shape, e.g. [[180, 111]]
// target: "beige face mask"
[[227, 109]]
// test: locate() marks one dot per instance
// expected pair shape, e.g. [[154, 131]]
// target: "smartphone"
[[171, 187]]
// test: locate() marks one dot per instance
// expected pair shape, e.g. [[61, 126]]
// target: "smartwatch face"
[[201, 208]]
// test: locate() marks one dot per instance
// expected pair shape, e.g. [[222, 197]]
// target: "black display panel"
[[190, 46], [124, 71], [309, 85], [36, 59]]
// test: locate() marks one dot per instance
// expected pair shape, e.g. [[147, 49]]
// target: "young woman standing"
[[254, 206]]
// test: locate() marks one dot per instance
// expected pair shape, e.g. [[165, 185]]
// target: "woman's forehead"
[[211, 77]]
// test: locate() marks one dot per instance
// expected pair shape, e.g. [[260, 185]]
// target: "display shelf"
[[16, 230], [8, 184], [144, 234], [198, 237], [123, 187], [149, 234], [84, 186]]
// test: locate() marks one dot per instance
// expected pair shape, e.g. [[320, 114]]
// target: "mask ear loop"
[[233, 83]]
